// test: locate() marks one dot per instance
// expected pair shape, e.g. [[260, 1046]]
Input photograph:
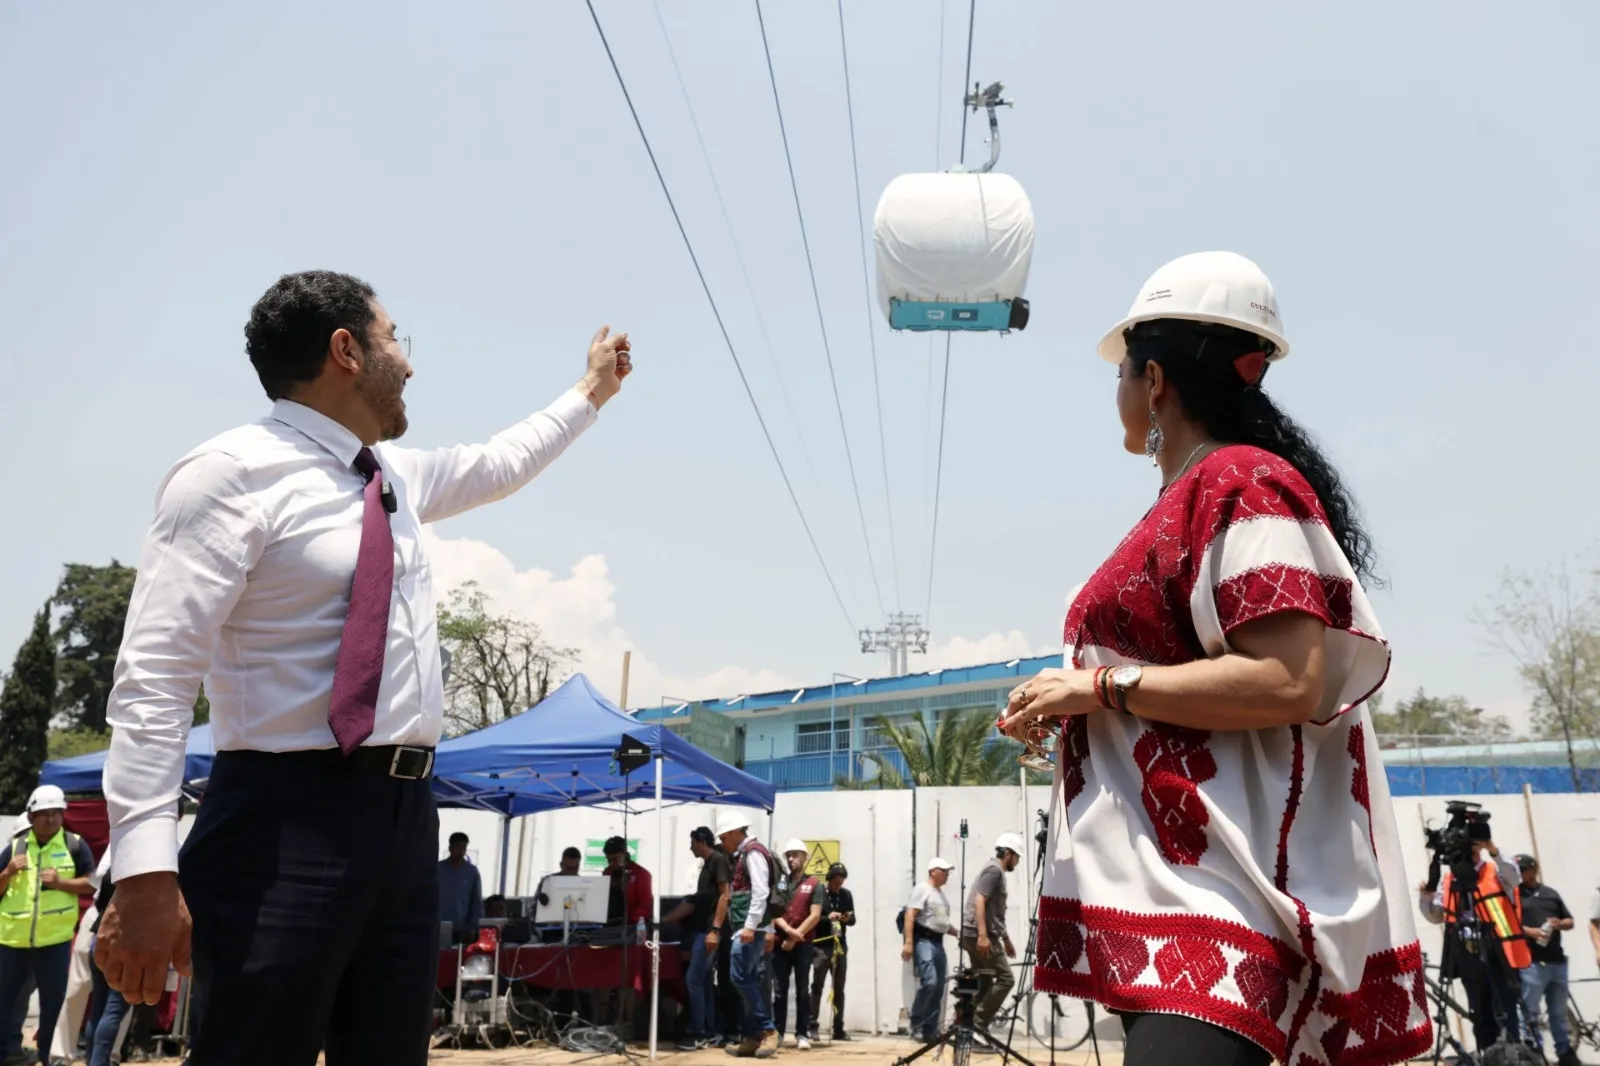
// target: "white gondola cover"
[[952, 237]]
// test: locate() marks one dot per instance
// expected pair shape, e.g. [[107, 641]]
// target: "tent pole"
[[655, 904], [505, 849]]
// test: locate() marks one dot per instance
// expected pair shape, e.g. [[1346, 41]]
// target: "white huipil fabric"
[[1251, 878]]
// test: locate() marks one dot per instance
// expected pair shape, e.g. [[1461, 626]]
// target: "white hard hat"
[[1223, 288], [937, 863], [796, 844], [731, 818], [1010, 841], [47, 798]]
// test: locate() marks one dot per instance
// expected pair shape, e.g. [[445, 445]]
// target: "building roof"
[[857, 691]]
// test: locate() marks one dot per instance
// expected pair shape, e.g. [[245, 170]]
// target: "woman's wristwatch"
[[1122, 680]]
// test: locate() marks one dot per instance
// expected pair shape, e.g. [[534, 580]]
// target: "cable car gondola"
[[954, 247]]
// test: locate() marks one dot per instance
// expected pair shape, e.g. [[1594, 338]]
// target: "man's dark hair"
[[615, 846], [571, 853], [837, 870], [457, 838], [703, 835], [290, 326]]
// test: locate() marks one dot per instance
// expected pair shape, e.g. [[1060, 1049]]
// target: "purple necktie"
[[359, 668]]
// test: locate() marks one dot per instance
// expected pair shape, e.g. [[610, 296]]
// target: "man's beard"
[[381, 388]]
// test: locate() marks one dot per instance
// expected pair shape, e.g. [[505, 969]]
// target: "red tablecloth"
[[579, 966]]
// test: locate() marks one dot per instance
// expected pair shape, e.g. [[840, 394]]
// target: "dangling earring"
[[1153, 440]]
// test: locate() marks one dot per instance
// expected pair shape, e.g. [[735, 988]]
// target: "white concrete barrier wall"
[[887, 838]]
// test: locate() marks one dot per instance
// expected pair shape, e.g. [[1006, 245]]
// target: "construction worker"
[[1493, 992], [45, 870]]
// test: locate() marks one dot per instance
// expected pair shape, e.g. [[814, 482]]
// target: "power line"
[[816, 296], [866, 291], [717, 314], [744, 270], [944, 395]]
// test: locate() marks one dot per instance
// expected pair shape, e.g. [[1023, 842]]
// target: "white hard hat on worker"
[[1220, 288]]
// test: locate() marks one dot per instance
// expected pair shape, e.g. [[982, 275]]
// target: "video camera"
[[1452, 845]]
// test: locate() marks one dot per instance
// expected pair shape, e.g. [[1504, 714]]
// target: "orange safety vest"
[[1496, 911]]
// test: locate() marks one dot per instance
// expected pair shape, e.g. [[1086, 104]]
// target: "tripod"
[[963, 1032], [1471, 936]]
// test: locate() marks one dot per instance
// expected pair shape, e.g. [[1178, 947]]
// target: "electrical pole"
[[901, 635]]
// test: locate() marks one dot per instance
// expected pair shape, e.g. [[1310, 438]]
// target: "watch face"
[[1124, 676]]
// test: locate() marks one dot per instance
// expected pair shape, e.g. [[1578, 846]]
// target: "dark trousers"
[[13, 1016], [316, 913], [47, 966], [730, 1007], [994, 977], [1489, 993], [1163, 1039], [794, 963], [830, 959]]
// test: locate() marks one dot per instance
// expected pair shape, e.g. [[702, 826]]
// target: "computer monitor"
[[573, 900]]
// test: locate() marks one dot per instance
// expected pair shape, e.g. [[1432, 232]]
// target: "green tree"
[[93, 601], [962, 750], [1434, 721], [65, 743], [1549, 625], [26, 705], [500, 665]]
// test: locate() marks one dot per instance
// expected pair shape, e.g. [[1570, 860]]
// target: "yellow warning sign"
[[820, 854]]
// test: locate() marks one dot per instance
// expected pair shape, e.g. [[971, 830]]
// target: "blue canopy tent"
[[81, 773], [559, 753]]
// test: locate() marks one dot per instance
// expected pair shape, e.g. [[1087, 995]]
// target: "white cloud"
[[580, 610], [994, 648]]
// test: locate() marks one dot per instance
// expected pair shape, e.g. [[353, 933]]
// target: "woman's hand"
[[1050, 694]]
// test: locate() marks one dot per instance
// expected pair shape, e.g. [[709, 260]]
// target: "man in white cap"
[[927, 923], [983, 928], [752, 904], [798, 925], [45, 870]]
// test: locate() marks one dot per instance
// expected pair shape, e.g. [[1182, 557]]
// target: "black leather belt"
[[395, 760]]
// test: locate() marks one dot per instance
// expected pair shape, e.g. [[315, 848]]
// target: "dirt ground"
[[857, 1052]]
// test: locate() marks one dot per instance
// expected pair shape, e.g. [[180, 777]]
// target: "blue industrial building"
[[812, 737]]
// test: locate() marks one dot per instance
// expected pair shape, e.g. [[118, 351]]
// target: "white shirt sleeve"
[[760, 888], [1594, 906], [447, 481], [206, 536]]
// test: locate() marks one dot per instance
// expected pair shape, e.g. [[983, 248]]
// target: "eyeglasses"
[[405, 345]]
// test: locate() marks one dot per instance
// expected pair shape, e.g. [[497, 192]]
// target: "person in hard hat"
[[44, 871], [750, 914], [797, 925], [984, 936], [1233, 881], [927, 923], [832, 949]]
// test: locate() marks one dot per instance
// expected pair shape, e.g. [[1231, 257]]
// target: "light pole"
[[833, 724]]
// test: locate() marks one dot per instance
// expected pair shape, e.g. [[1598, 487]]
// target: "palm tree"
[[963, 750]]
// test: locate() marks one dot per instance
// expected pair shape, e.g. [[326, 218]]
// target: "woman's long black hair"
[[1199, 359]]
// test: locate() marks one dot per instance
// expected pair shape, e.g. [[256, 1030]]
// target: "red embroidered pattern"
[[1357, 746], [1074, 750], [1174, 761], [1297, 769], [1180, 963], [1275, 588]]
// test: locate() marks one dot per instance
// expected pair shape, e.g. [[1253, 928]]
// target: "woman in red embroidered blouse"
[[1228, 874]]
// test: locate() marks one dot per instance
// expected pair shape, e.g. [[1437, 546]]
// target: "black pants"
[[316, 913], [830, 958], [730, 1008], [795, 963], [47, 966], [1164, 1039], [1489, 993]]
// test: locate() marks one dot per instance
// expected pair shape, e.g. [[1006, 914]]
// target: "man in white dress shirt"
[[285, 567]]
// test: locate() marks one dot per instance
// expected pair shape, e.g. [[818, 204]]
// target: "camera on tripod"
[[1452, 845], [966, 985]]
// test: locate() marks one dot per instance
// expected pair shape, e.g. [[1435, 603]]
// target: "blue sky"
[[1422, 183]]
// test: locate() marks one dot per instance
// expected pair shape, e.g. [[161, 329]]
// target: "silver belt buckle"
[[399, 752]]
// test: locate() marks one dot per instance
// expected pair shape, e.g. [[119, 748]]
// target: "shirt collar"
[[334, 438]]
